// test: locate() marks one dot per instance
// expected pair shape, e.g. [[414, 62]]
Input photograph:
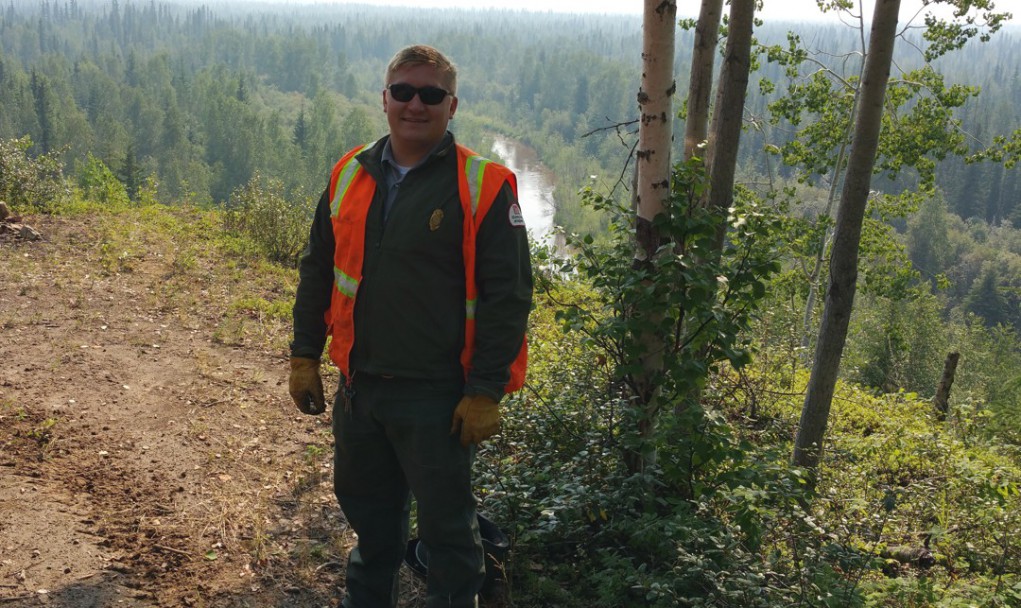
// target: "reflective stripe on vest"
[[347, 173], [351, 192], [474, 171], [345, 283]]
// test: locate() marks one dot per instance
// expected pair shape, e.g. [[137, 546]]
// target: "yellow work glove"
[[477, 417], [305, 386]]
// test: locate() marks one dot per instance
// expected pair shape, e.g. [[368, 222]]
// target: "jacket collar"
[[375, 157]]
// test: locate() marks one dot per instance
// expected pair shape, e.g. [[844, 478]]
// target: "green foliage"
[[696, 300], [262, 211], [986, 298], [932, 485], [260, 307], [899, 477], [885, 265], [920, 127], [686, 529], [897, 343], [358, 128], [971, 18], [928, 240], [98, 183], [718, 521], [204, 98], [207, 96], [558, 480], [26, 183], [718, 518], [1005, 406]]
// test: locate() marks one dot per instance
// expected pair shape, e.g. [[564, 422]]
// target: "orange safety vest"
[[351, 192]]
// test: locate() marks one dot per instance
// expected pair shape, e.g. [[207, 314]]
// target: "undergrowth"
[[910, 510]]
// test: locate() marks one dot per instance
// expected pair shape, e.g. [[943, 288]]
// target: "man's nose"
[[416, 102]]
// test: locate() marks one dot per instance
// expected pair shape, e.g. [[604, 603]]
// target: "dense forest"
[[196, 102], [243, 108], [202, 98]]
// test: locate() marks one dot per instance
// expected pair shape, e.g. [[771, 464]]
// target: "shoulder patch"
[[515, 216]]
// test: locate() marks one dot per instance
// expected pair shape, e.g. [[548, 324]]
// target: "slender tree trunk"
[[942, 398], [820, 254], [700, 85], [725, 135], [847, 237], [655, 99], [654, 133]]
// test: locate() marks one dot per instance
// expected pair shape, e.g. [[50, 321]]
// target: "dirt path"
[[149, 454]]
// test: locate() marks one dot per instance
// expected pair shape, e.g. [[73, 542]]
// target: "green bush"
[[588, 533], [30, 184], [98, 184], [687, 526], [262, 211], [717, 517], [897, 343]]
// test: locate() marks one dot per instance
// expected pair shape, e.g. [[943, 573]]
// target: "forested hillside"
[[204, 96], [192, 101], [185, 135]]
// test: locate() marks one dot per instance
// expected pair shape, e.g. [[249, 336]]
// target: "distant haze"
[[775, 10]]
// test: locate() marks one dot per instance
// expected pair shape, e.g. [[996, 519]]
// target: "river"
[[535, 186]]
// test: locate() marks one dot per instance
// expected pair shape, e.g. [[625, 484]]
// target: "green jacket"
[[409, 314]]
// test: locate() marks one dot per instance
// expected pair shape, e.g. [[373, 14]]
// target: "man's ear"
[[453, 107]]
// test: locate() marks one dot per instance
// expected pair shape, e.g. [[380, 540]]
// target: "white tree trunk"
[[653, 170], [655, 99]]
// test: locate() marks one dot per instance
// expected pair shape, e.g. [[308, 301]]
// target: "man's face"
[[413, 124]]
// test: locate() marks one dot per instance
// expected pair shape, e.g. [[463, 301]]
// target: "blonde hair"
[[420, 54]]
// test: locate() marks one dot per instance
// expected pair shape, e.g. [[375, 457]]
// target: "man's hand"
[[477, 417], [305, 386]]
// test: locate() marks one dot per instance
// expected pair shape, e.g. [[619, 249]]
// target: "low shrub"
[[263, 211], [30, 184]]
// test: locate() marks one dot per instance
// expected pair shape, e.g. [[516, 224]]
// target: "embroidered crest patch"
[[435, 219], [515, 216]]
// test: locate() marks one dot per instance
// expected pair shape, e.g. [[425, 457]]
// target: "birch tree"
[[909, 125], [675, 262], [723, 138], [652, 174], [919, 128], [655, 99], [847, 236]]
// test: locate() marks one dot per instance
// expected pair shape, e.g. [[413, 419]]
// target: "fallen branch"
[[173, 550]]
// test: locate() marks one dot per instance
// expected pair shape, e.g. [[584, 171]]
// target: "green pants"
[[395, 441]]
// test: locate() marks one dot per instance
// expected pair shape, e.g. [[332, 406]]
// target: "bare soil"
[[149, 452]]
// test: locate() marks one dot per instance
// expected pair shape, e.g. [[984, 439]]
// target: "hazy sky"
[[796, 10]]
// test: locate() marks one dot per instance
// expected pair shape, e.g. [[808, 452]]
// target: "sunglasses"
[[404, 93]]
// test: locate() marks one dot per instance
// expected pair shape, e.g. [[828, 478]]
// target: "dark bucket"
[[494, 542]]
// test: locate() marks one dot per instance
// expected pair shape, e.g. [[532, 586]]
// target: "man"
[[418, 268]]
